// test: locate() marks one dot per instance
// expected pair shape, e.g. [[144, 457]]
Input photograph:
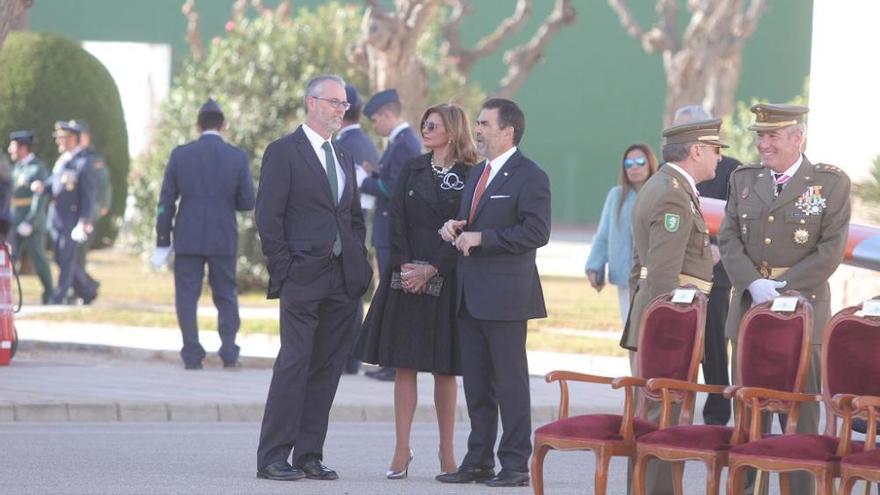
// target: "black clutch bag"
[[435, 283]]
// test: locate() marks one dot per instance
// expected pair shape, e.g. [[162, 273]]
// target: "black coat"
[[418, 330]]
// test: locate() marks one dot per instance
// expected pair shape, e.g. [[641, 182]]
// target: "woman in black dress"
[[411, 322]]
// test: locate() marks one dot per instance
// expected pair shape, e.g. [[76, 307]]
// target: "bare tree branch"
[[522, 59], [630, 24], [748, 22], [239, 9], [283, 10], [193, 37], [464, 58], [13, 16]]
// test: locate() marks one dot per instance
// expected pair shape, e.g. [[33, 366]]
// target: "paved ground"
[[46, 385], [178, 458]]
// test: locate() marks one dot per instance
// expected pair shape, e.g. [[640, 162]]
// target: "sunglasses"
[[638, 162], [430, 126]]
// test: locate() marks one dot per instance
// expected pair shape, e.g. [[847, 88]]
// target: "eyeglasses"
[[637, 162], [430, 126], [336, 103]]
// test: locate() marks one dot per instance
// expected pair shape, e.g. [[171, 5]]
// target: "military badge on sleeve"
[[671, 221], [811, 201]]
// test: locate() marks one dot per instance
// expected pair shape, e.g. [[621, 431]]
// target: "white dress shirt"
[[317, 143]]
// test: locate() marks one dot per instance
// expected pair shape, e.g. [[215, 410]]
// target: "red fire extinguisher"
[[8, 334]]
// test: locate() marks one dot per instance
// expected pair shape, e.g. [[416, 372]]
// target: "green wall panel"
[[595, 92]]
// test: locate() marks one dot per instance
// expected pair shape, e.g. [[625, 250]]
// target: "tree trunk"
[[690, 81], [13, 16], [387, 51]]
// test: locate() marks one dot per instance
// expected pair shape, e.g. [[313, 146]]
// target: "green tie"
[[334, 188]]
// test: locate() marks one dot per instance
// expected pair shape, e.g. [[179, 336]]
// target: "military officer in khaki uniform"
[[671, 240], [785, 226]]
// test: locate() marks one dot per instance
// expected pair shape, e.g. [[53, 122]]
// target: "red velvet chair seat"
[[593, 427], [800, 446], [870, 458], [698, 437]]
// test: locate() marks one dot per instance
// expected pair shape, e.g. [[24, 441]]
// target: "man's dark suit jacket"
[[359, 146], [212, 178], [297, 219], [404, 147], [499, 280], [717, 188]]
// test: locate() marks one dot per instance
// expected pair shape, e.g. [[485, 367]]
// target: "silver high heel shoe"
[[399, 475]]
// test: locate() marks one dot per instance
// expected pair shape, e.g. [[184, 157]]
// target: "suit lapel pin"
[[505, 174]]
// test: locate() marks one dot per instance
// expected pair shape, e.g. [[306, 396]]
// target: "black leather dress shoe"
[[315, 470], [508, 478], [281, 471], [467, 475], [192, 366], [382, 374]]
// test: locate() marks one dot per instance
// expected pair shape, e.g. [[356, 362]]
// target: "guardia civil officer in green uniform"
[[104, 193], [29, 207], [785, 226], [671, 240]]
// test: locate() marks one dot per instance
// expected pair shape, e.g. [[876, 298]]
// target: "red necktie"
[[478, 192]]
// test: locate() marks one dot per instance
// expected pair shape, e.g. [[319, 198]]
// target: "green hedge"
[[45, 78]]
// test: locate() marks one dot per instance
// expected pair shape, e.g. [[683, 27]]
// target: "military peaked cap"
[[700, 132], [770, 116], [379, 100]]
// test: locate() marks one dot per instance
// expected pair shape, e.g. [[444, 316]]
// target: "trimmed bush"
[[45, 78]]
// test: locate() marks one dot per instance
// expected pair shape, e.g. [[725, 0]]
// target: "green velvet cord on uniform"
[[334, 188]]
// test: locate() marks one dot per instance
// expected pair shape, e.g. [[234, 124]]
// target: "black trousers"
[[717, 408], [316, 322], [189, 274], [496, 378]]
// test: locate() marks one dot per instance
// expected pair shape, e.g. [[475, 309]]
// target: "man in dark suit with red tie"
[[504, 218], [310, 223]]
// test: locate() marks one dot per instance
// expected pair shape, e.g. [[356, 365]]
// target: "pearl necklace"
[[439, 171]]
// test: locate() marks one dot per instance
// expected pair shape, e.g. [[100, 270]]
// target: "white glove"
[[763, 290], [24, 229], [160, 256], [79, 233]]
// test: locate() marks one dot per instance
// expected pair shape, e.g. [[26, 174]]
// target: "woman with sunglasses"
[[411, 323], [612, 244]]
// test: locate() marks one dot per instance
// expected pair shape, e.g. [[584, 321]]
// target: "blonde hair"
[[458, 129]]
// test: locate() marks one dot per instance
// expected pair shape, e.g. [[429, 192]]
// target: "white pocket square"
[[499, 196]]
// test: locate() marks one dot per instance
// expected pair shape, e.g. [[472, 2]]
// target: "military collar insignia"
[[811, 201]]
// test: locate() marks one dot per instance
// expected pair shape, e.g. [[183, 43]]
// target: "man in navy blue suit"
[[363, 151], [504, 218], [384, 112], [73, 189], [212, 179], [312, 232]]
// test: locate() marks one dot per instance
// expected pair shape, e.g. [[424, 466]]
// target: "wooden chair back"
[[671, 345]]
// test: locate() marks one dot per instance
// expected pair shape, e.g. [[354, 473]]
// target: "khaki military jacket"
[[670, 245], [798, 237]]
